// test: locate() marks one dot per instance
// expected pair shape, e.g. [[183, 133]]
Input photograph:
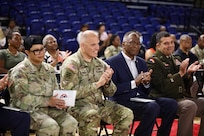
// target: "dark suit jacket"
[[122, 78]]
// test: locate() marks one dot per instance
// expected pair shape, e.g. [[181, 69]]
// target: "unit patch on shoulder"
[[72, 67]]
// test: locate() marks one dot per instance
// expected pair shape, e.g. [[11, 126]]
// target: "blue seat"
[[36, 27], [120, 34], [174, 18], [150, 28], [146, 38], [133, 20], [138, 27], [68, 33], [155, 21], [70, 44], [126, 27], [172, 29], [122, 19], [144, 20], [114, 27]]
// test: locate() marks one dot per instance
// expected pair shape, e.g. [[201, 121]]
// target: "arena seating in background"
[[64, 18]]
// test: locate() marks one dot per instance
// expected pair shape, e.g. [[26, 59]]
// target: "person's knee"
[[49, 126], [153, 108], [126, 116], [69, 125], [89, 115], [26, 119], [187, 106], [170, 104]]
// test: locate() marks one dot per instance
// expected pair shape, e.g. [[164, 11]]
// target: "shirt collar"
[[128, 58]]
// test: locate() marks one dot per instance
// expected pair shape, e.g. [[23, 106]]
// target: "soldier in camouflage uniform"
[[198, 49], [114, 47], [91, 77], [31, 87], [168, 78]]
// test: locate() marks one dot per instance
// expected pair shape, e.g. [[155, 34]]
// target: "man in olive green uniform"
[[32, 82], [168, 79], [91, 77]]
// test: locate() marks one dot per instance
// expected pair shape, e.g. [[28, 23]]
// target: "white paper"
[[68, 96], [136, 99]]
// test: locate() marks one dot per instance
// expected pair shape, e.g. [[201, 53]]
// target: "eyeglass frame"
[[38, 51], [133, 43]]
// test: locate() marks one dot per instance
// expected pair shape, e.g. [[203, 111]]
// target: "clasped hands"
[[105, 77], [3, 82], [143, 78]]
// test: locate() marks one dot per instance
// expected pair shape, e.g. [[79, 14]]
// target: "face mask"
[[141, 39]]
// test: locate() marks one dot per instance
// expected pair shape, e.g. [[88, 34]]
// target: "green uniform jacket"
[[166, 81], [31, 88], [77, 74]]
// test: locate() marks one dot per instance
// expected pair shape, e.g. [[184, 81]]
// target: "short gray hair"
[[126, 36], [86, 34], [44, 41]]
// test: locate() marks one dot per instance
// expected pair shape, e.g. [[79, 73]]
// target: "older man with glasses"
[[32, 84]]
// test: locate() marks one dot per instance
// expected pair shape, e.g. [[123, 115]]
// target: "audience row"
[[165, 79]]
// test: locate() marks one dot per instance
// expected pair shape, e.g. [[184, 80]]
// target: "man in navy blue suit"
[[132, 79]]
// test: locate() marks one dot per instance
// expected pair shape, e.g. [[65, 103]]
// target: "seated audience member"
[[32, 84], [11, 56], [17, 122], [168, 80], [83, 28], [182, 53], [12, 27], [91, 77], [149, 52], [114, 46], [132, 78], [162, 28], [152, 47], [52, 54], [175, 41], [142, 50], [104, 39], [198, 49]]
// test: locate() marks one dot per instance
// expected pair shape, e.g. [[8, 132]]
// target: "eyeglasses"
[[51, 42], [134, 43], [38, 51]]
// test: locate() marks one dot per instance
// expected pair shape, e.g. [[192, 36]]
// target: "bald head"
[[201, 41], [86, 36], [162, 28], [185, 43]]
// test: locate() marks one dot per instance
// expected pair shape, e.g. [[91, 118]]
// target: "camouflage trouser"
[[89, 117], [53, 122]]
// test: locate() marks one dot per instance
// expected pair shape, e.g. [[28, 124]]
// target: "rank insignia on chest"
[[170, 76], [152, 60], [178, 63], [165, 64]]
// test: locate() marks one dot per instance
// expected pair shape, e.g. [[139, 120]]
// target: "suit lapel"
[[125, 66]]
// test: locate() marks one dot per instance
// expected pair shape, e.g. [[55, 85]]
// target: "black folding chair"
[[200, 80], [103, 126]]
